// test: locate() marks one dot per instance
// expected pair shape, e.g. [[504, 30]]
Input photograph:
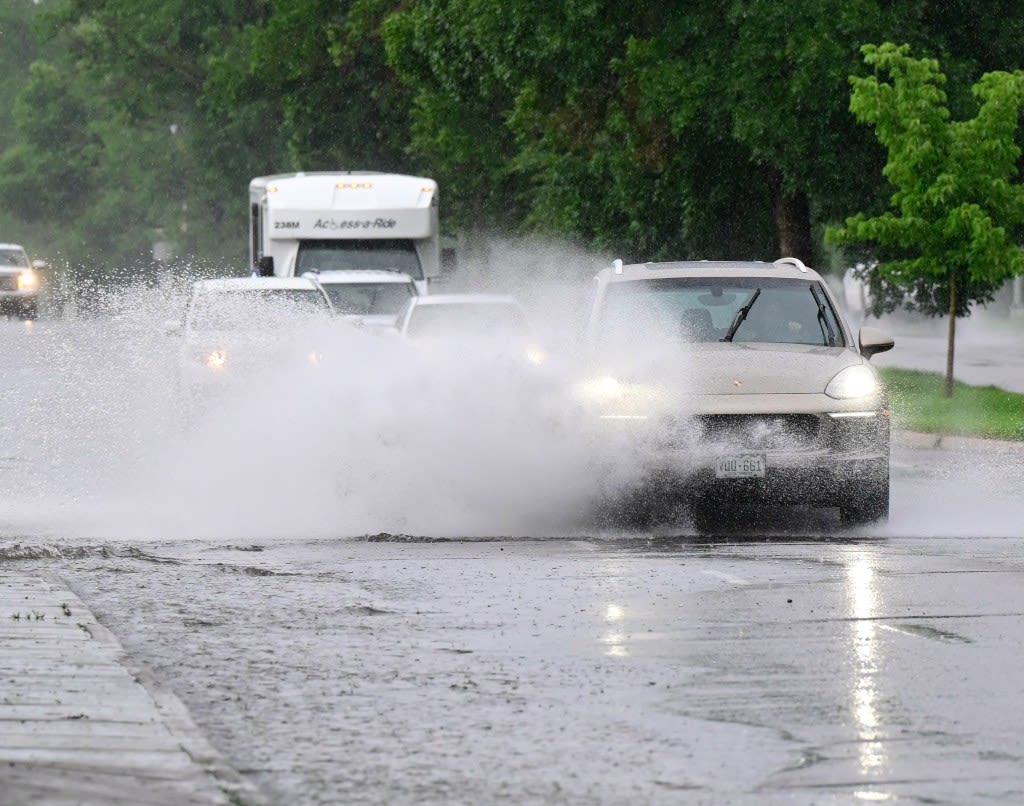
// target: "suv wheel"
[[869, 504], [706, 516]]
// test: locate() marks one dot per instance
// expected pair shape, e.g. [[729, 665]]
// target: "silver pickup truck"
[[19, 282]]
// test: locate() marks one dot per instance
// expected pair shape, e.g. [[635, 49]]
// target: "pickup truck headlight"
[[852, 382], [28, 281]]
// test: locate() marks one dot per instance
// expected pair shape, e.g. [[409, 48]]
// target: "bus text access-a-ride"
[[344, 221]]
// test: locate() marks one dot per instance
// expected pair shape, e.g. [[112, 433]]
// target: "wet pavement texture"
[[790, 662], [79, 725], [753, 667]]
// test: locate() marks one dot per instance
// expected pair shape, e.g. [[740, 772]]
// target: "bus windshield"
[[382, 254]]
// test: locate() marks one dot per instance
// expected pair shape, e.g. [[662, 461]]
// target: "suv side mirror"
[[873, 341]]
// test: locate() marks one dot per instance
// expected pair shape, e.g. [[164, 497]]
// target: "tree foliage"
[[951, 234], [655, 130], [649, 130]]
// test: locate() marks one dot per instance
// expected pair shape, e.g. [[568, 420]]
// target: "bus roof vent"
[[617, 265]]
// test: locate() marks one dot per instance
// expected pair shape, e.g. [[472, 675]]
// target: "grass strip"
[[918, 403]]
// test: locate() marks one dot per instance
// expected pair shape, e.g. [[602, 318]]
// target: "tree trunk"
[[951, 339], [792, 214]]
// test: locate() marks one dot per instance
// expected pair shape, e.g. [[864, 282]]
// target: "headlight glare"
[[604, 388], [535, 354], [853, 382], [28, 281], [214, 359]]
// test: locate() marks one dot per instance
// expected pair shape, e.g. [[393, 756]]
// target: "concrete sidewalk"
[[77, 726], [919, 439]]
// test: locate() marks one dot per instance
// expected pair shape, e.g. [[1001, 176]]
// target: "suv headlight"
[[603, 389], [852, 382], [28, 281]]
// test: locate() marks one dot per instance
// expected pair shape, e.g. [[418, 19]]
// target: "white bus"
[[342, 221]]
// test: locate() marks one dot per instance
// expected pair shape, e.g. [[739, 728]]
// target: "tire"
[[29, 310], [707, 517], [640, 508], [627, 512], [868, 505]]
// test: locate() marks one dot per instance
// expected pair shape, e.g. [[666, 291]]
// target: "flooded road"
[[788, 662], [639, 669]]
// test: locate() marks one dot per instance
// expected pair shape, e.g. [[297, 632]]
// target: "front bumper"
[[13, 298], [816, 459]]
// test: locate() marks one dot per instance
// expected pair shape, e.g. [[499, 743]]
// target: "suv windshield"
[[13, 257], [457, 320], [368, 298], [252, 310], [704, 309], [385, 254]]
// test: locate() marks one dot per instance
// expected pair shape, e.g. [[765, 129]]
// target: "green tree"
[[535, 121], [185, 102], [18, 50], [317, 69], [50, 165], [654, 130], [949, 238]]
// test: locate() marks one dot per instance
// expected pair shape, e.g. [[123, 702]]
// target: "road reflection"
[[614, 640], [864, 608]]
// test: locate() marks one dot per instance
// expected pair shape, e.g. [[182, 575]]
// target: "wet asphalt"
[[787, 662]]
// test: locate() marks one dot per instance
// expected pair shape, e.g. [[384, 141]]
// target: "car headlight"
[[607, 397], [28, 281], [853, 382], [605, 388], [216, 360], [535, 354]]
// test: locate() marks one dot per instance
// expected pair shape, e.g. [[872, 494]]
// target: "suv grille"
[[8, 282], [759, 431]]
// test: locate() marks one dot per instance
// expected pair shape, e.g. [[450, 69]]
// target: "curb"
[[921, 439], [81, 726]]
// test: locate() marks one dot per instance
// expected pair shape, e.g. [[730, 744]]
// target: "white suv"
[[236, 327], [737, 382], [19, 282], [367, 296]]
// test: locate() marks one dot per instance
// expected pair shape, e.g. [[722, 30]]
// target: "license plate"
[[743, 466]]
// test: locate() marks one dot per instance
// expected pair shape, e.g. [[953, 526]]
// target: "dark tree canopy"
[[650, 130]]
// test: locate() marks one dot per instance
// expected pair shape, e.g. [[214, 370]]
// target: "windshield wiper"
[[741, 314], [823, 323]]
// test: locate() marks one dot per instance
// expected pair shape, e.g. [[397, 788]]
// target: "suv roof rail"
[[795, 262], [617, 265]]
